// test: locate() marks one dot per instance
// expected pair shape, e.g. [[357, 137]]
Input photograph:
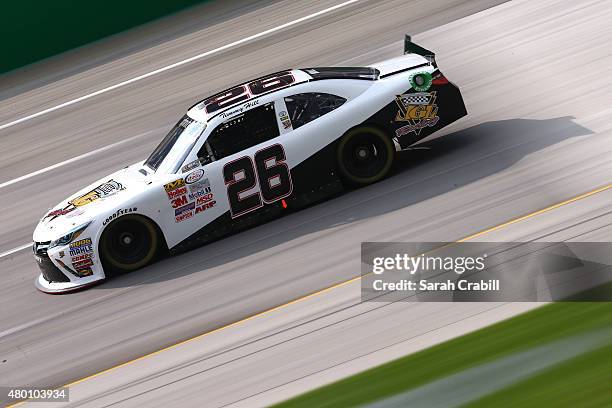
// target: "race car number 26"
[[269, 168]]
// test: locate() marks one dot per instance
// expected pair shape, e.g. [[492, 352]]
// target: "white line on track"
[[37, 172], [12, 251], [178, 64], [83, 156]]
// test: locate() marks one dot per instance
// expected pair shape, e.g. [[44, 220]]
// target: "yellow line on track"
[[319, 292]]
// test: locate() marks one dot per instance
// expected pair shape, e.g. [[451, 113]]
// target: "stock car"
[[243, 156]]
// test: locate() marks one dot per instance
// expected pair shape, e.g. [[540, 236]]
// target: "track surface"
[[535, 81]]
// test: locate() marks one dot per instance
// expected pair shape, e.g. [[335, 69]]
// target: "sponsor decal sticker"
[[81, 257], [177, 193], [190, 166], [200, 185], [204, 199], [174, 185], [205, 206], [194, 176], [284, 118], [420, 81], [82, 246], [179, 201], [184, 209], [119, 213], [201, 194], [199, 198], [57, 213], [418, 109], [103, 190]]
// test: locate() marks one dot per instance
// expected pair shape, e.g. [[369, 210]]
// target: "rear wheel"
[[129, 243], [365, 155]]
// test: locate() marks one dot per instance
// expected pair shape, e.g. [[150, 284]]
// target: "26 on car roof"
[[300, 76]]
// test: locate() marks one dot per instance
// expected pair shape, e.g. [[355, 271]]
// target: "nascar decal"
[[418, 109], [194, 176], [81, 256], [103, 190]]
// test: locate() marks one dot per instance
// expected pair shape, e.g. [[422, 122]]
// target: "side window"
[[306, 107], [241, 132]]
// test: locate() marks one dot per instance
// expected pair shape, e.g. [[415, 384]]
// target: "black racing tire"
[[364, 155], [129, 243]]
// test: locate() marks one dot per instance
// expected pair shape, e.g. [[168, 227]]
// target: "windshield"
[[172, 151]]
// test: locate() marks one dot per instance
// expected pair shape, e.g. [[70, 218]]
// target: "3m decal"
[[194, 176], [179, 202], [103, 190], [418, 109]]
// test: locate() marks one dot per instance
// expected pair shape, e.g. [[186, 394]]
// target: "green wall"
[[35, 29]]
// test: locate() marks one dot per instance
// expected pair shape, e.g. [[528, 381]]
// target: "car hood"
[[88, 203]]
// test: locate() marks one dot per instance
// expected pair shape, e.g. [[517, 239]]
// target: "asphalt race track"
[[535, 78]]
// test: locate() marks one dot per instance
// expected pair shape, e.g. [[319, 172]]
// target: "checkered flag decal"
[[419, 98]]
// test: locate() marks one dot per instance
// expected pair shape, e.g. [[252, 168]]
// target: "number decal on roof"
[[245, 92]]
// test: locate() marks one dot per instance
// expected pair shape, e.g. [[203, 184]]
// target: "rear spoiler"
[[412, 48]]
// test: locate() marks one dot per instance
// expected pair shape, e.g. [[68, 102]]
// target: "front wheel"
[[365, 155], [129, 243]]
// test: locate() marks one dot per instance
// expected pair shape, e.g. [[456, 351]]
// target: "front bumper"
[[56, 276], [64, 287]]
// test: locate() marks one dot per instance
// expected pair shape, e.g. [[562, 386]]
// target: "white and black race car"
[[241, 157]]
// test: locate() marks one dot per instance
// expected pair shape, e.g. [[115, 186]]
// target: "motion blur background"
[[273, 312]]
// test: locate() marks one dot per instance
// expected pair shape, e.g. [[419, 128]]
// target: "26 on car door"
[[251, 158]]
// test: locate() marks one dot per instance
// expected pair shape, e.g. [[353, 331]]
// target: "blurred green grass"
[[587, 378], [32, 30], [584, 381]]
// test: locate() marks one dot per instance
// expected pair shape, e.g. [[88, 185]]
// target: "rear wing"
[[413, 48]]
